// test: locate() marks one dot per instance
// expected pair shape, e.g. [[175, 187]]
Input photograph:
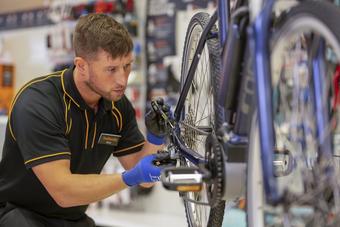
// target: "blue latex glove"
[[144, 172]]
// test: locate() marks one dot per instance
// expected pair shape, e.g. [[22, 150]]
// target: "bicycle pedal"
[[182, 179], [163, 158]]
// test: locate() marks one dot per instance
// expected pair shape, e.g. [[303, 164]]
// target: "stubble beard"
[[106, 95]]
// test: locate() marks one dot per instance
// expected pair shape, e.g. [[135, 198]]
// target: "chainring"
[[215, 164]]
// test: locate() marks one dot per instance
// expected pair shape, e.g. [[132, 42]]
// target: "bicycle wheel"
[[198, 113], [305, 177]]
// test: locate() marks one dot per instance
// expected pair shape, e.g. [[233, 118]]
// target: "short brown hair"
[[99, 31]]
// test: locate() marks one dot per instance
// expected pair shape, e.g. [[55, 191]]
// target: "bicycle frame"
[[258, 41], [259, 46]]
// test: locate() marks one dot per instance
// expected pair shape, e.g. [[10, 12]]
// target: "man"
[[63, 127]]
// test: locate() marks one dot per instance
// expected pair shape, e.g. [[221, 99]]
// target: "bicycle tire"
[[318, 18], [196, 25]]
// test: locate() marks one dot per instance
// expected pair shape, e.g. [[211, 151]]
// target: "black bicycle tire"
[[201, 19], [323, 12]]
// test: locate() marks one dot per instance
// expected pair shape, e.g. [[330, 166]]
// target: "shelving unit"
[[157, 208]]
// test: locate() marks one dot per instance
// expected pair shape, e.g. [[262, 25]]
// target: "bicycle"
[[269, 134]]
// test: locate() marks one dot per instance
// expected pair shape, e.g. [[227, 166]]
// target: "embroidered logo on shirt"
[[109, 139]]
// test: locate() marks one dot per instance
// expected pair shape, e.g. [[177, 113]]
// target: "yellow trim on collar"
[[70, 125], [120, 116], [120, 119], [87, 129], [94, 134], [63, 86], [117, 121], [65, 113]]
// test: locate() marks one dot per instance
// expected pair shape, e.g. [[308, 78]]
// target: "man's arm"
[[156, 132], [69, 189], [129, 161]]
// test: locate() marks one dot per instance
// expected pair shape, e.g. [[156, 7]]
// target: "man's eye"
[[113, 69], [127, 66]]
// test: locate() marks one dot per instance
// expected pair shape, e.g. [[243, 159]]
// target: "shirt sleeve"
[[38, 128], [132, 139]]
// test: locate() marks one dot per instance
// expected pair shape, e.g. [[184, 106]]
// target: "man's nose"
[[122, 78]]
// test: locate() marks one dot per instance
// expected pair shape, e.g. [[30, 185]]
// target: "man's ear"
[[81, 64]]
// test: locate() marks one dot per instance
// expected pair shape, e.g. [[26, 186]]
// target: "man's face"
[[108, 77]]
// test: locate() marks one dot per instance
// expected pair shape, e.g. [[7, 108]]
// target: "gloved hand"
[[144, 172], [155, 124]]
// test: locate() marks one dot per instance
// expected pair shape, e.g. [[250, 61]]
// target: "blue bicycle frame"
[[259, 45], [258, 41]]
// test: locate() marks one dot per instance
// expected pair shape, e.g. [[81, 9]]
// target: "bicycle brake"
[[161, 113]]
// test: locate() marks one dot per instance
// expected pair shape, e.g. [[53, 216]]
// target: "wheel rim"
[[198, 112]]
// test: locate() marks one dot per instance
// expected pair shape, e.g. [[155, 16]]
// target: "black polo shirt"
[[49, 120]]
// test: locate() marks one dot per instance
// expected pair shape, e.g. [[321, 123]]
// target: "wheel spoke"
[[198, 117]]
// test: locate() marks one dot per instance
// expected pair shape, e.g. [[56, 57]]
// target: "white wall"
[[16, 5], [26, 48]]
